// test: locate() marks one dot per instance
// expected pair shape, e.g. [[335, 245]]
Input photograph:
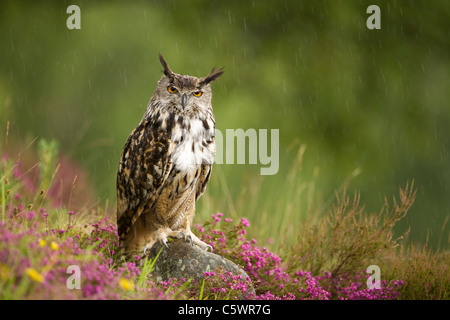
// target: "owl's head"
[[185, 94]]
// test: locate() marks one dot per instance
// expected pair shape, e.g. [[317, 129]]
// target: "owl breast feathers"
[[166, 163]]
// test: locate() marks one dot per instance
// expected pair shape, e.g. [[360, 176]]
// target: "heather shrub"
[[39, 241], [425, 272], [38, 245], [34, 265], [273, 279], [348, 239]]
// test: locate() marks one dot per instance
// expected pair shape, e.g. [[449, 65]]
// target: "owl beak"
[[183, 100]]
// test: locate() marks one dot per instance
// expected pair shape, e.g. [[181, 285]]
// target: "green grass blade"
[[147, 269], [200, 297]]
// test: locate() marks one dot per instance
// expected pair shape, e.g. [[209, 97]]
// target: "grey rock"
[[184, 260]]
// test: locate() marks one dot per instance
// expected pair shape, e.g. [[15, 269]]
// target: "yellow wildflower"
[[42, 243], [34, 275], [126, 284], [54, 245]]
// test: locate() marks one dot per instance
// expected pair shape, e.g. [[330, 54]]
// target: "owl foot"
[[192, 238], [187, 238], [161, 235]]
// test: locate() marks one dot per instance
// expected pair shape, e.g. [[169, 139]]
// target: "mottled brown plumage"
[[166, 163]]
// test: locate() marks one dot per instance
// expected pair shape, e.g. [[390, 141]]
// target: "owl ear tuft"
[[166, 67], [213, 75]]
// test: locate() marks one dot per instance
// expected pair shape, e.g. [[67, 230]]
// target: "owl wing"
[[206, 168], [203, 179], [144, 167], [209, 143]]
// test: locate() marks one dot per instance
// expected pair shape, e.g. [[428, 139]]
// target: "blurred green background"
[[370, 106]]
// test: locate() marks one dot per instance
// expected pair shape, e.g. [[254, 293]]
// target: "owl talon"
[[186, 237], [183, 234], [191, 240], [209, 247], [147, 249], [164, 241]]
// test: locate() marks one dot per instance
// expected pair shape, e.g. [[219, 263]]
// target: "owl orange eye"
[[197, 93], [172, 89]]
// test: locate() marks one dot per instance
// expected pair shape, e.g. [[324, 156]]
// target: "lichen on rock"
[[184, 260]]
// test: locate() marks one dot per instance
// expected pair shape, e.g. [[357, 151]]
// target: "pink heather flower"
[[31, 215], [263, 266], [217, 217], [70, 213], [245, 222], [228, 220], [209, 274]]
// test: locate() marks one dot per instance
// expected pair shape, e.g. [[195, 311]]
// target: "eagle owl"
[[166, 163]]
